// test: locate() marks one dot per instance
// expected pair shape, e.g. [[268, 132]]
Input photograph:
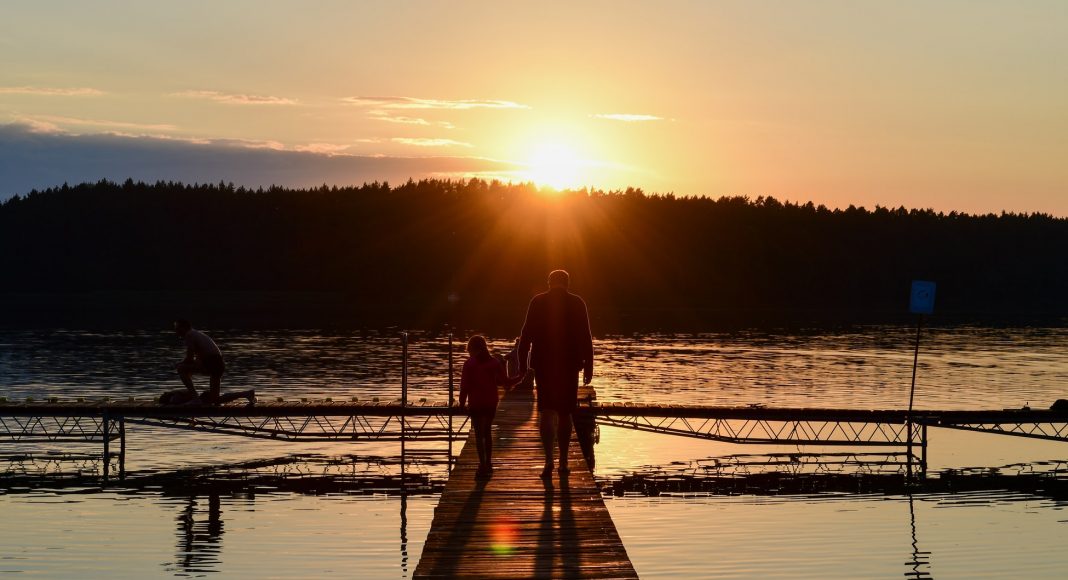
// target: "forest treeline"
[[473, 252]]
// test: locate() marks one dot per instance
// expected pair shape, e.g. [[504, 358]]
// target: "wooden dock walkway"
[[515, 525]]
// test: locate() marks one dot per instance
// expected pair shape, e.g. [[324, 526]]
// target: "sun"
[[555, 164]]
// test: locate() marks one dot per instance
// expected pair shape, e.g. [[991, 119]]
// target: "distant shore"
[[343, 312]]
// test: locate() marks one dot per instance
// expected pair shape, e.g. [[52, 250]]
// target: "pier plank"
[[514, 524]]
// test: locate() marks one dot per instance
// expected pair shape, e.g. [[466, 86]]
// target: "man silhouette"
[[557, 328], [202, 357]]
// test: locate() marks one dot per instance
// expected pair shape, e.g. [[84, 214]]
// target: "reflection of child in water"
[[482, 374]]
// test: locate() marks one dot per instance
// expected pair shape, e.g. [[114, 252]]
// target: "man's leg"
[[185, 372], [216, 385], [584, 427], [563, 438], [226, 398], [547, 427]]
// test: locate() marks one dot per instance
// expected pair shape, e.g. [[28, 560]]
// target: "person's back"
[[478, 382], [201, 344], [557, 331]]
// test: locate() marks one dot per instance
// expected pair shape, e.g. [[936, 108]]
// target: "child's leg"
[[488, 444], [479, 425]]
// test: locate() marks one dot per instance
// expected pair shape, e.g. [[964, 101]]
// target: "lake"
[[275, 509]]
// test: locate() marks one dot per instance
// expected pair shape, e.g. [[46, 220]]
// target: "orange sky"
[[954, 105]]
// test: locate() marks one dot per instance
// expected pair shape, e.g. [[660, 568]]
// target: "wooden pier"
[[516, 525]]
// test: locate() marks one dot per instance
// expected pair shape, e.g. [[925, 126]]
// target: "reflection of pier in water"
[[205, 489], [887, 471], [314, 474], [756, 474]]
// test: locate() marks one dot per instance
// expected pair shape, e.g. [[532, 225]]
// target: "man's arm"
[[189, 355], [524, 339], [587, 347]]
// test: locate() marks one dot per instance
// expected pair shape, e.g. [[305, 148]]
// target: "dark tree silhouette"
[[377, 254]]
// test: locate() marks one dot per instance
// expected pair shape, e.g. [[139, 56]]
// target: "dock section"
[[516, 525]]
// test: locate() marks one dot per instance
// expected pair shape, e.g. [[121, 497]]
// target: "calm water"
[[162, 531]]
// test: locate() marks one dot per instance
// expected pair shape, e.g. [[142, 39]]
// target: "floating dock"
[[515, 524]]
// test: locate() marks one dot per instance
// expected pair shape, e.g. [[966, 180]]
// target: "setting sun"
[[556, 165]]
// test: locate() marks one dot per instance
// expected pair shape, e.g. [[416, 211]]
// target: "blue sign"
[[922, 298]]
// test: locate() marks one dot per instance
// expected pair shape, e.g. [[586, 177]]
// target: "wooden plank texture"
[[514, 524]]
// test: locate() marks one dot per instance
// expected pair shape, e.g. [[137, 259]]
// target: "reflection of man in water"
[[557, 328], [200, 542]]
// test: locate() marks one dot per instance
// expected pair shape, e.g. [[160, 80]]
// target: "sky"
[[953, 105]]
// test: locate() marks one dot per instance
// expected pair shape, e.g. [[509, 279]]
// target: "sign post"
[[921, 301]]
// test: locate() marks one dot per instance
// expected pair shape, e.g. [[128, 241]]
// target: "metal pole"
[[105, 428], [923, 452], [915, 363], [404, 369], [912, 392], [122, 447], [404, 396], [451, 391]]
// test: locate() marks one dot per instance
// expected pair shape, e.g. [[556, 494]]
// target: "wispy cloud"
[[627, 117], [51, 91], [235, 98], [414, 103], [52, 123], [321, 148], [424, 142], [381, 115]]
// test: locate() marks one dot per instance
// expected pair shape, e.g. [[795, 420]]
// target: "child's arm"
[[506, 381], [465, 385]]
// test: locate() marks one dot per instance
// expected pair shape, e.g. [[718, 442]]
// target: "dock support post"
[[912, 394], [122, 448], [451, 400], [404, 396], [404, 369], [923, 451], [105, 428]]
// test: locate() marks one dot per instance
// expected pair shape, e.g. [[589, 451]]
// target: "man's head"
[[182, 326], [559, 279]]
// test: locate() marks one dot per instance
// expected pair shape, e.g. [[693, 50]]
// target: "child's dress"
[[479, 382]]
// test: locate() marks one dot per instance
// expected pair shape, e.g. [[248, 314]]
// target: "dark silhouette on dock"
[[479, 381], [202, 357], [556, 331]]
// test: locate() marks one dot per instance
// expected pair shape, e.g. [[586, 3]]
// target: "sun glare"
[[556, 165]]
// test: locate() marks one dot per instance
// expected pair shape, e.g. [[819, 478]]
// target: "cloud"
[[235, 99], [424, 142], [52, 123], [626, 117], [321, 148], [414, 103], [31, 159], [386, 116], [51, 92]]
